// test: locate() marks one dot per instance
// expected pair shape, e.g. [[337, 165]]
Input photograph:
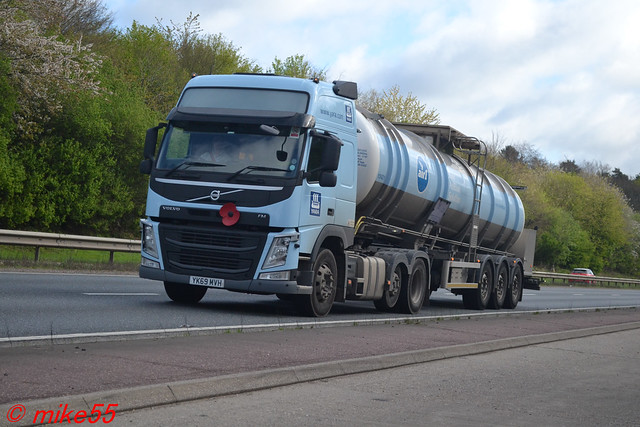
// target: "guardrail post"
[[37, 255], [110, 257]]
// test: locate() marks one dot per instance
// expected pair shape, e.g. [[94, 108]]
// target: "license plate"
[[206, 281]]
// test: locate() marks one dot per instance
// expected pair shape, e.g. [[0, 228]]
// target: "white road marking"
[[138, 294]]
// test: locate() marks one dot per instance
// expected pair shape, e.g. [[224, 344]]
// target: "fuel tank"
[[401, 175]]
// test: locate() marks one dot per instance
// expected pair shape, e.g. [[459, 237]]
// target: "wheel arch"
[[336, 239], [516, 264], [392, 259], [487, 260], [413, 256]]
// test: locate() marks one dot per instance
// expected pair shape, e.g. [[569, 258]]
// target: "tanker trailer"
[[275, 185], [456, 221]]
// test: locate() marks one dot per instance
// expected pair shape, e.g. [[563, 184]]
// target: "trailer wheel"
[[392, 292], [514, 291], [412, 295], [477, 299], [500, 289], [187, 294], [325, 274]]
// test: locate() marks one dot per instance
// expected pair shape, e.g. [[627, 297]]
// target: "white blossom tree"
[[398, 108], [43, 67]]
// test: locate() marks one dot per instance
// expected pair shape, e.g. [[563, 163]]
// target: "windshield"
[[232, 149]]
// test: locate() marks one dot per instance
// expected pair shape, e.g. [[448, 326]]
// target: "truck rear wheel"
[[323, 293], [477, 299], [514, 291], [392, 292], [499, 293], [412, 295], [181, 292]]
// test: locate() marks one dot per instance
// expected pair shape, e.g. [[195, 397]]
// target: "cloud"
[[561, 75]]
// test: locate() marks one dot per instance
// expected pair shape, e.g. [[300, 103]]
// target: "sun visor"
[[225, 115]]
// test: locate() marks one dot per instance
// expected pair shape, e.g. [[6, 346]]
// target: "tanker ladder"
[[476, 152]]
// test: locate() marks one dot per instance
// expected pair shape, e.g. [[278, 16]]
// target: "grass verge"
[[58, 259]]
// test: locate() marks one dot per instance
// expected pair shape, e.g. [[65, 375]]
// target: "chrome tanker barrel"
[[401, 175]]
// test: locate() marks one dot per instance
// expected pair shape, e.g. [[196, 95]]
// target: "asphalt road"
[[47, 304]]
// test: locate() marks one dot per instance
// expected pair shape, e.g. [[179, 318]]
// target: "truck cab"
[[253, 181]]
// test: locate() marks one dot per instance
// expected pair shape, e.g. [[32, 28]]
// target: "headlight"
[[277, 255], [149, 240]]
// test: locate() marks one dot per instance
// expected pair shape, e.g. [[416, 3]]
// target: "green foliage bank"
[[583, 219]]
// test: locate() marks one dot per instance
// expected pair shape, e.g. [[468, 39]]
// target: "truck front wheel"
[[187, 294], [325, 275]]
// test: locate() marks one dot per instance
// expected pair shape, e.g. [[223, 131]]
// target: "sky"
[[562, 76]]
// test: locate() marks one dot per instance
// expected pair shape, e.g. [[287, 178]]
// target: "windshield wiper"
[[256, 168], [188, 163]]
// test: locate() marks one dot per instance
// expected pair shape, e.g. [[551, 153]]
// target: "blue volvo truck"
[[277, 185]]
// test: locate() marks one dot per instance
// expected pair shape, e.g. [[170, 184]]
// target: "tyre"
[[413, 293], [500, 288], [392, 292], [184, 293], [514, 290], [323, 292], [478, 299]]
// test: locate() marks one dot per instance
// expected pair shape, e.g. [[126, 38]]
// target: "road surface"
[[37, 304]]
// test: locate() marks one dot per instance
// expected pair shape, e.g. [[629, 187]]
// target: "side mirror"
[[331, 154], [150, 141], [331, 148], [146, 166], [324, 157], [328, 179]]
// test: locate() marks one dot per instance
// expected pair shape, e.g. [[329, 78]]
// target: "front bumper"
[[254, 286]]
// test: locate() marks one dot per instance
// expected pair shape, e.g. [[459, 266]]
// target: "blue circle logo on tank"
[[423, 174]]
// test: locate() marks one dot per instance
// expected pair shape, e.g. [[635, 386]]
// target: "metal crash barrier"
[[570, 279], [67, 241]]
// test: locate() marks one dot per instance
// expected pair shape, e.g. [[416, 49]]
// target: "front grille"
[[217, 239], [211, 251]]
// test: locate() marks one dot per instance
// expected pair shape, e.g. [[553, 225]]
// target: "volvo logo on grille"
[[214, 195]]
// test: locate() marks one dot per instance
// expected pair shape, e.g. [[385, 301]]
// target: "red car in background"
[[583, 273]]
